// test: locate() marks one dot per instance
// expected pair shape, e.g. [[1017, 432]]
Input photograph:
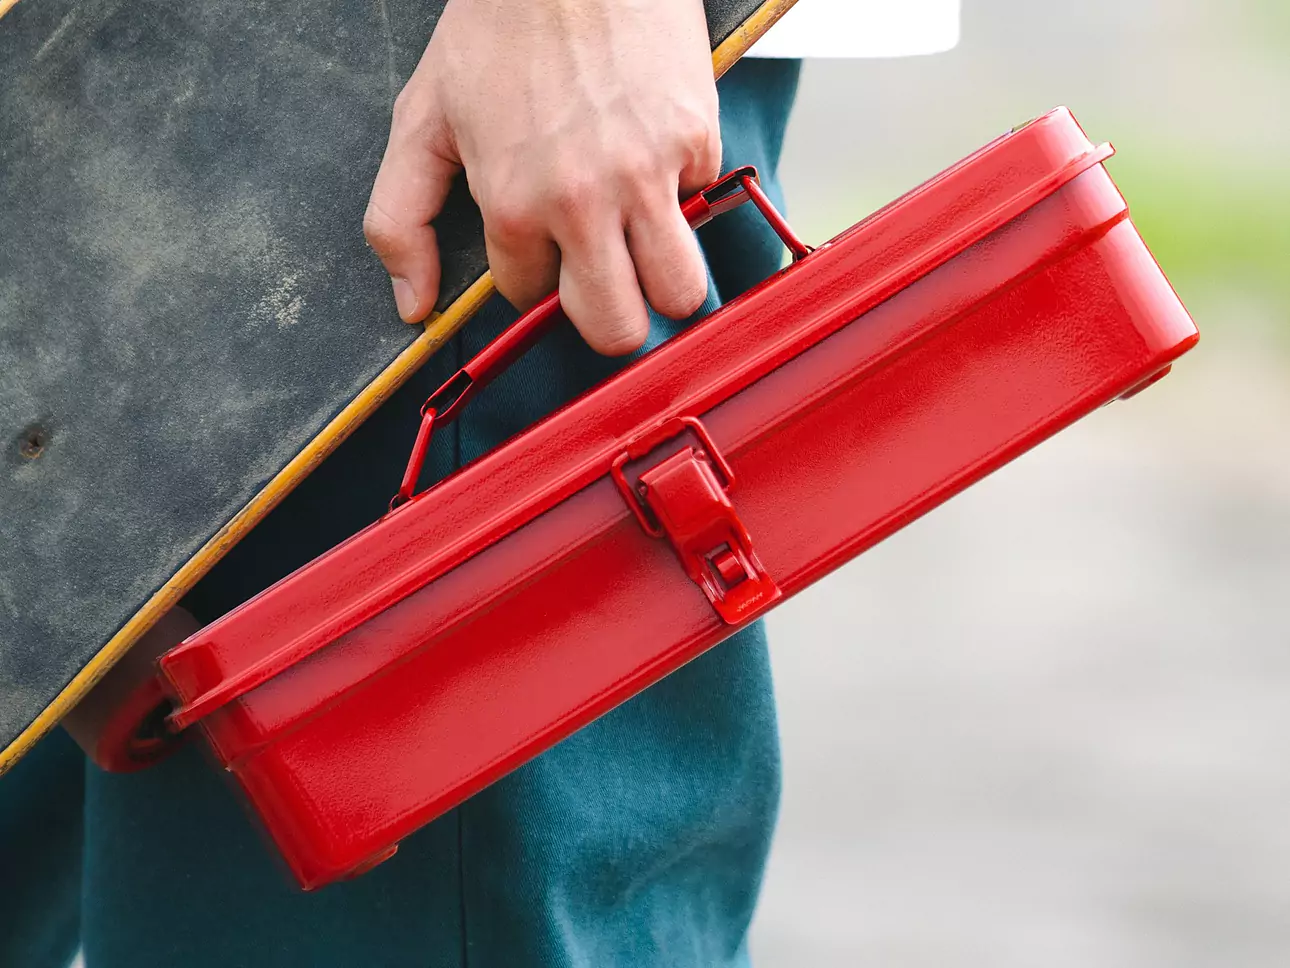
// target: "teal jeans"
[[641, 840]]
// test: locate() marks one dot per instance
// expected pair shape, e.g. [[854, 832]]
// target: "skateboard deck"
[[190, 320]]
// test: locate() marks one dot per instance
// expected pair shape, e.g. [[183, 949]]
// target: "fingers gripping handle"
[[442, 406]]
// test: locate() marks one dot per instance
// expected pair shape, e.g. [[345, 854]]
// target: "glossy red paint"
[[527, 594]]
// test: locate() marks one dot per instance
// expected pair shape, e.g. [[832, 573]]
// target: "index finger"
[[410, 189]]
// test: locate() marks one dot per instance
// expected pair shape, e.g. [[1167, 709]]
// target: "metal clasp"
[[676, 483]]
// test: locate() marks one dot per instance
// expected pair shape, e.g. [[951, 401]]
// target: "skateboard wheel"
[[121, 724]]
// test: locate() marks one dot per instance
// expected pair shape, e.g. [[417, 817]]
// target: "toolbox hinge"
[[684, 496]]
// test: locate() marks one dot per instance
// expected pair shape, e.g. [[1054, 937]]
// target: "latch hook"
[[683, 497]]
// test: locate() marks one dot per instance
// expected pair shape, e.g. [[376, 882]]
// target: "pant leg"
[[639, 841], [177, 872], [40, 855]]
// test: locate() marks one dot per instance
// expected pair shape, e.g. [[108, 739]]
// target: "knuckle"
[[697, 130], [682, 296], [407, 107], [512, 219], [380, 230], [618, 337], [417, 112], [574, 193], [701, 144], [707, 161], [689, 298], [647, 181]]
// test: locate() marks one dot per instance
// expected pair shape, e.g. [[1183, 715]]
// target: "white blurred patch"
[[862, 28]]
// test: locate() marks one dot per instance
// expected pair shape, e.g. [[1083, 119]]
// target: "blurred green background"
[[1194, 94], [1049, 724]]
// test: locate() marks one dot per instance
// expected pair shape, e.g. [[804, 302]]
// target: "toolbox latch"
[[684, 497]]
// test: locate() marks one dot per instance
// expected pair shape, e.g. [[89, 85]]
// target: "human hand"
[[579, 123]]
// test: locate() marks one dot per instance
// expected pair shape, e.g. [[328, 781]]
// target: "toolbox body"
[[535, 589]]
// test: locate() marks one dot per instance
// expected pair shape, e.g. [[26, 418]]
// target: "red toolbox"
[[532, 591]]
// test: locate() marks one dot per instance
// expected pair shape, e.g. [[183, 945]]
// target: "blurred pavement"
[[1049, 724]]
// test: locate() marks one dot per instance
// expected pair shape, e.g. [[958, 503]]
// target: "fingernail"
[[405, 297]]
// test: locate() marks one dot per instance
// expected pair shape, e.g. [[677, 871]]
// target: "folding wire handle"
[[444, 404]]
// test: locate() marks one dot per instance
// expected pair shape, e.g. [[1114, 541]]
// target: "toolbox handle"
[[442, 406]]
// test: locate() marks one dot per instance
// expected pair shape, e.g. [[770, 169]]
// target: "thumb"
[[409, 191]]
